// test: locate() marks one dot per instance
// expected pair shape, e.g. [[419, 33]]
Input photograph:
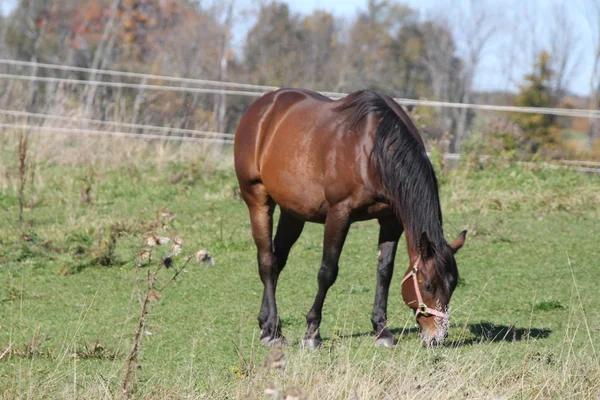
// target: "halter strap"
[[422, 307]]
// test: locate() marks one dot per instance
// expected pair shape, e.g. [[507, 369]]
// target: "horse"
[[335, 162]]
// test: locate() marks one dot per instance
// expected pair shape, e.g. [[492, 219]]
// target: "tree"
[[478, 26], [444, 69], [540, 132], [320, 36], [374, 46], [407, 51], [274, 47], [592, 13], [564, 39]]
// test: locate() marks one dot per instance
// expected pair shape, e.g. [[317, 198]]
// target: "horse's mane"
[[404, 169]]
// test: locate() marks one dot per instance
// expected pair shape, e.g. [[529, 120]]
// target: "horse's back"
[[259, 124], [292, 142]]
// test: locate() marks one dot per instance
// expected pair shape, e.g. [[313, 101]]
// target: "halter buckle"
[[423, 309]]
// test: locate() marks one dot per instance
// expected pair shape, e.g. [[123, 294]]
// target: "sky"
[[502, 51], [491, 73]]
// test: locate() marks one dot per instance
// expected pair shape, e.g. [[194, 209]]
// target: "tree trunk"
[[99, 56], [221, 103], [38, 28]]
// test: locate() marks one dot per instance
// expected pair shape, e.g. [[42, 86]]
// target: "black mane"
[[405, 170]]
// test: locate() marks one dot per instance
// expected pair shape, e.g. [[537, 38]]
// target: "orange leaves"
[[139, 25]]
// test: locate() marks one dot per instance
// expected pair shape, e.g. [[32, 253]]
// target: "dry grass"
[[440, 374], [348, 367], [73, 150], [363, 372], [477, 370], [98, 155]]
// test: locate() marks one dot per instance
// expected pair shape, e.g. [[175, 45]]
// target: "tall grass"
[[350, 369], [81, 353]]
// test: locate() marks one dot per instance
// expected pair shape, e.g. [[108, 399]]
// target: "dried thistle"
[[176, 247], [165, 216], [276, 359], [154, 295], [202, 256], [167, 262], [272, 391], [143, 256], [153, 240], [176, 273]]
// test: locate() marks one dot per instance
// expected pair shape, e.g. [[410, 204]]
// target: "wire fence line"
[[262, 89], [192, 132], [93, 132], [577, 162], [138, 75], [130, 85], [575, 165], [198, 136]]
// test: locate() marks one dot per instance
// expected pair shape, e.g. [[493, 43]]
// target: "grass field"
[[525, 317]]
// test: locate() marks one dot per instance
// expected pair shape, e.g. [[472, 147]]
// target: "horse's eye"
[[428, 286]]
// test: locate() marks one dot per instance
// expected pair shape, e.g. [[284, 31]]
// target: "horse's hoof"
[[386, 342], [277, 342], [311, 344], [273, 341], [265, 340]]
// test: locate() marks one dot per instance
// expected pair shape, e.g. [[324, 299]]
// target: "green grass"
[[525, 317]]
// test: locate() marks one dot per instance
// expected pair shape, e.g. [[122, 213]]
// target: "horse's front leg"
[[389, 233], [337, 224]]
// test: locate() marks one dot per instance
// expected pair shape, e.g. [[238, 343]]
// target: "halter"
[[422, 308]]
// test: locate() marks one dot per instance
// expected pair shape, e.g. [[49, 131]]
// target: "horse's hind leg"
[[261, 208], [389, 233], [288, 232], [289, 229], [336, 229]]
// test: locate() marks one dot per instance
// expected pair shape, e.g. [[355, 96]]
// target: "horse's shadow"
[[483, 332], [396, 331]]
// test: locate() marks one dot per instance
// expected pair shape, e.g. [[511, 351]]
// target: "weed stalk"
[[152, 293], [23, 147], [127, 385]]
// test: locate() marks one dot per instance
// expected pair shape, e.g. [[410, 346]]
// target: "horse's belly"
[[377, 210], [299, 197]]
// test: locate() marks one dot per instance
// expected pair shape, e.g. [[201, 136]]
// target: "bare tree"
[[36, 19], [221, 103], [477, 25], [3, 29], [564, 50], [439, 61], [101, 55], [592, 11]]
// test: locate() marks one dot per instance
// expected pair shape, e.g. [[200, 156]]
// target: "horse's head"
[[428, 285]]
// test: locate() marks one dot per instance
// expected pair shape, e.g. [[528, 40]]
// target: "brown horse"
[[336, 162]]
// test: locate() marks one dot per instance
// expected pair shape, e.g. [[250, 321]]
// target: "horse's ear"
[[425, 247], [459, 241]]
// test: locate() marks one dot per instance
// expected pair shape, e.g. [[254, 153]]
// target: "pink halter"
[[422, 308]]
